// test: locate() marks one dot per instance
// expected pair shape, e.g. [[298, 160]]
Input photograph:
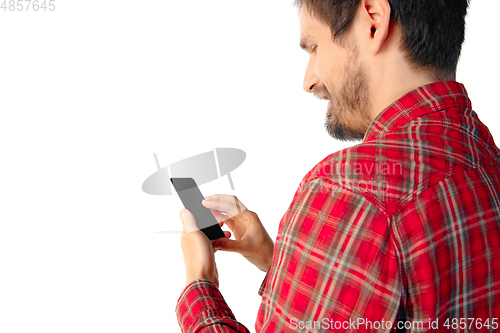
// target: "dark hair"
[[432, 30]]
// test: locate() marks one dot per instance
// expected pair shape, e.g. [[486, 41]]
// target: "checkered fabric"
[[402, 228]]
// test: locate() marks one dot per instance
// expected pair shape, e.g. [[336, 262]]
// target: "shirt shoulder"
[[392, 169]]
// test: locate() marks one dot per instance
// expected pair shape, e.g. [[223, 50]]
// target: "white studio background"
[[90, 91]]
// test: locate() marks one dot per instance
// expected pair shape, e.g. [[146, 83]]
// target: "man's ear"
[[379, 15]]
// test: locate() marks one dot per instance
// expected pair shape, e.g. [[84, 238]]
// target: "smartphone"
[[191, 198]]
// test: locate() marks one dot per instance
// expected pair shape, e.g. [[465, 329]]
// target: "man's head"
[[364, 54]]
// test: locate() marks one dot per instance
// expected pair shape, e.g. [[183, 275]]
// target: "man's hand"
[[251, 238], [197, 251]]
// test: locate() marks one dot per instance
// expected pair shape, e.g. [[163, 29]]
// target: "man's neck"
[[386, 94], [392, 80]]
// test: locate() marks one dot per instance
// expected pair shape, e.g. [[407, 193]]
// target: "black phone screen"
[[191, 198]]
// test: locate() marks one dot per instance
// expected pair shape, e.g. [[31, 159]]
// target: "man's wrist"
[[269, 259], [191, 279], [265, 267]]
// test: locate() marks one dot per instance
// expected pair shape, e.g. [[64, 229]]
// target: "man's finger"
[[220, 217], [239, 205], [227, 198], [229, 204], [225, 244], [227, 207], [224, 219], [221, 206]]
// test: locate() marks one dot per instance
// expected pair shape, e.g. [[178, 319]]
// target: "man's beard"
[[348, 113]]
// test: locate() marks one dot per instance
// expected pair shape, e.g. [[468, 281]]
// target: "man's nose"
[[310, 79]]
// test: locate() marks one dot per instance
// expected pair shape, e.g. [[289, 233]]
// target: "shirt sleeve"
[[201, 308], [263, 285]]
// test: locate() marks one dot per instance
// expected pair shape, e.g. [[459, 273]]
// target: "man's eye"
[[313, 48]]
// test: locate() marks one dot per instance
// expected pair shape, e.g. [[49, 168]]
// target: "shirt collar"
[[429, 98]]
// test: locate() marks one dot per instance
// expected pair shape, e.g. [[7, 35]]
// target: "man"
[[401, 231]]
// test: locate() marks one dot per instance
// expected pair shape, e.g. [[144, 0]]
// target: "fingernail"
[[183, 213]]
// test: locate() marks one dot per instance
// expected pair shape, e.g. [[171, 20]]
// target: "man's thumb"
[[188, 220]]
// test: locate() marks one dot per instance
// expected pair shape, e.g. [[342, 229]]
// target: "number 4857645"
[[471, 323], [27, 5]]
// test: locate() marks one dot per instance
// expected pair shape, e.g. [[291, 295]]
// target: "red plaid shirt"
[[402, 228]]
